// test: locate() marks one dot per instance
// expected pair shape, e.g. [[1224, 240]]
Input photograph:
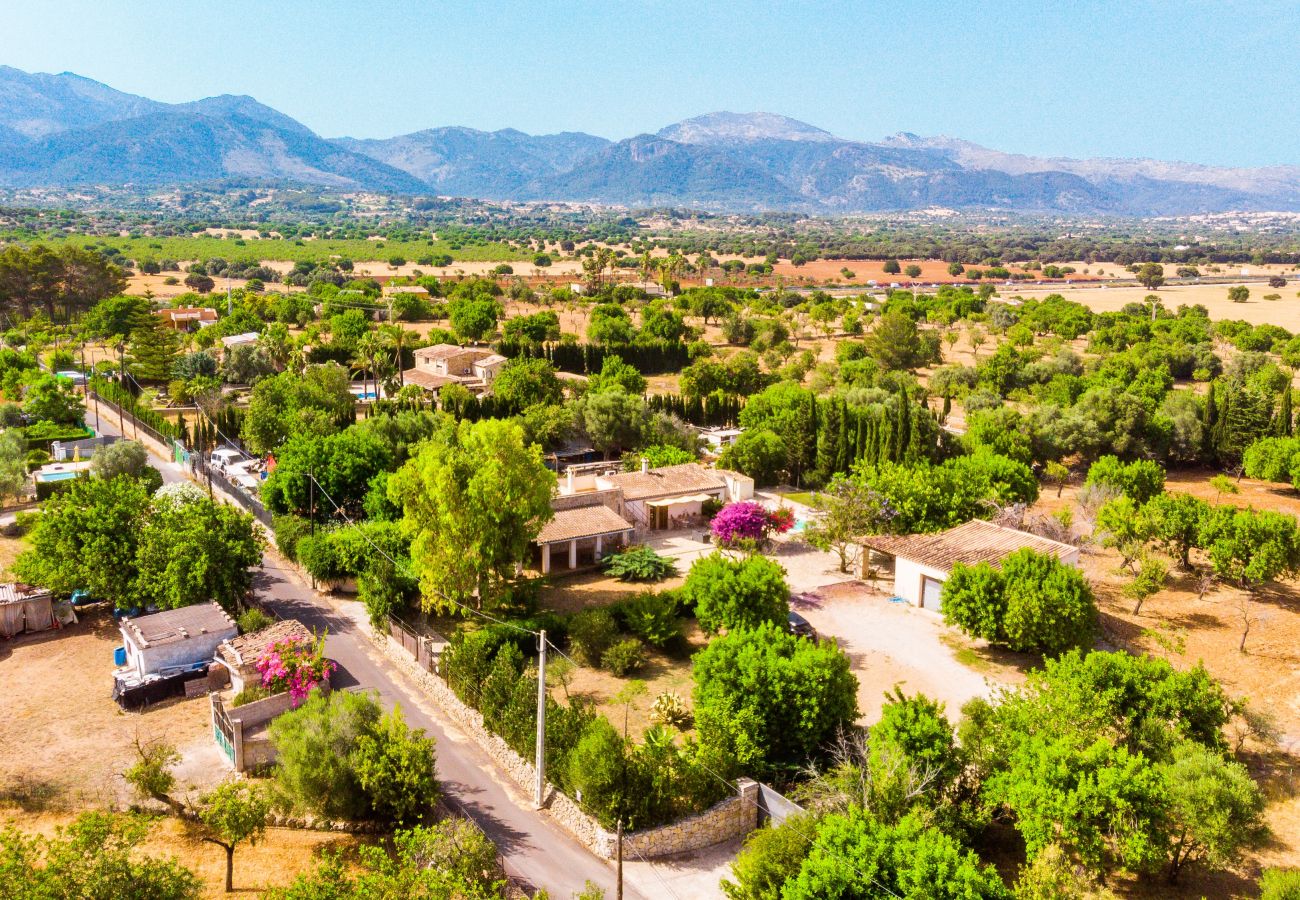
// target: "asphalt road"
[[536, 851]]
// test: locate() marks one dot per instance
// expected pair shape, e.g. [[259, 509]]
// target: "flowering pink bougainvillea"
[[295, 666], [749, 521]]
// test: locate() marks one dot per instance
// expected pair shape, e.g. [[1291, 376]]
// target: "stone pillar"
[[546, 558], [237, 729], [598, 537], [748, 789], [573, 553]]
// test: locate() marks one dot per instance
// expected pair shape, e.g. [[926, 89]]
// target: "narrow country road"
[[535, 849]]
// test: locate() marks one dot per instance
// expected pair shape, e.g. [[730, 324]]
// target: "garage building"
[[923, 562]]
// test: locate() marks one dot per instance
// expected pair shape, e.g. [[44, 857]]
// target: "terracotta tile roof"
[[687, 478], [582, 522], [174, 625], [438, 351], [975, 542], [491, 360], [427, 380], [247, 649]]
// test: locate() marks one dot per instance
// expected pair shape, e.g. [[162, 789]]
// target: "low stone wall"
[[727, 819]]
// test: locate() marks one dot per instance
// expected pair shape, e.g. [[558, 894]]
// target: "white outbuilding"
[[923, 562]]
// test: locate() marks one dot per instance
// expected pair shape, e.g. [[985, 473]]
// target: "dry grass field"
[[65, 743], [271, 862]]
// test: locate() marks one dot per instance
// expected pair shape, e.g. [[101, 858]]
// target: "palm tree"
[[396, 338], [370, 353]]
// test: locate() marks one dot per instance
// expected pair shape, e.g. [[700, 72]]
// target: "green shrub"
[[289, 530], [1280, 884], [652, 617], [1139, 481], [253, 619], [1034, 603], [640, 563], [37, 458], [623, 658], [727, 593], [591, 632], [250, 694]]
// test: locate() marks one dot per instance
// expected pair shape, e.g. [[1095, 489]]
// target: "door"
[[930, 588]]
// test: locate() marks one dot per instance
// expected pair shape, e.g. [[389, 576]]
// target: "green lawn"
[[804, 497], [207, 247]]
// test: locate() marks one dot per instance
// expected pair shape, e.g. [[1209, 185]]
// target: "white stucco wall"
[[907, 579]]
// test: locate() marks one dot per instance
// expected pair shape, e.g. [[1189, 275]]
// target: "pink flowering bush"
[[749, 521], [295, 666]]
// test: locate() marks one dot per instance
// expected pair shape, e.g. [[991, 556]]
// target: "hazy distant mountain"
[[1278, 181], [65, 130], [740, 128], [492, 165], [37, 105], [87, 133], [650, 171]]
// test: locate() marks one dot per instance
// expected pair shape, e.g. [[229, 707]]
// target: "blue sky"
[[1212, 82]]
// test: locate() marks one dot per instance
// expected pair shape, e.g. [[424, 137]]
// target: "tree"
[[896, 344], [246, 364], [396, 767], [1215, 808], [233, 814], [153, 350], [612, 420], [94, 857], [1151, 276], [614, 373], [1052, 875], [1239, 293], [912, 271], [50, 398], [848, 509], [1055, 471], [1148, 581], [344, 465], [955, 269], [127, 458], [771, 856], [1250, 547], [1033, 602], [116, 316], [195, 552], [759, 453], [610, 324], [1174, 521], [727, 593], [341, 756], [767, 701], [448, 859], [474, 499], [1139, 480], [475, 317], [86, 538], [200, 283], [524, 382], [891, 267], [909, 859], [318, 401], [13, 464]]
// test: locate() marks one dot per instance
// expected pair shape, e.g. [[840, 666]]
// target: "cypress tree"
[[1284, 414], [828, 442]]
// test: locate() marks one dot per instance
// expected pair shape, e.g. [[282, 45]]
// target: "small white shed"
[[175, 640], [923, 562]]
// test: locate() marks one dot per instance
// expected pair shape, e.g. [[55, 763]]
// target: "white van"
[[223, 458]]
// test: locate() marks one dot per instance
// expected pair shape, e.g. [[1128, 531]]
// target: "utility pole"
[[311, 487], [619, 890], [539, 790]]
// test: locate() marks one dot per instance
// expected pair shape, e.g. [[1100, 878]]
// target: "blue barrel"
[[119, 656]]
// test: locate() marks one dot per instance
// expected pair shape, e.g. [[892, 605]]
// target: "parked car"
[[801, 627], [223, 458]]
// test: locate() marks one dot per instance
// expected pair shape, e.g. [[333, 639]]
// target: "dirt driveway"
[[891, 644]]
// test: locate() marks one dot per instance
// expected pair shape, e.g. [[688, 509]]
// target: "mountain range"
[[65, 131]]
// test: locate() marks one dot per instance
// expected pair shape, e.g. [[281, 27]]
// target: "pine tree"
[[153, 350], [1282, 423]]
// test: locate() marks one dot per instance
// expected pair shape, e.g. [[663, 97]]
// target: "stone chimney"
[[568, 477], [645, 464]]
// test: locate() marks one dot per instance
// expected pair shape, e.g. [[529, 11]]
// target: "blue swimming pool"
[[57, 476], [799, 525]]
